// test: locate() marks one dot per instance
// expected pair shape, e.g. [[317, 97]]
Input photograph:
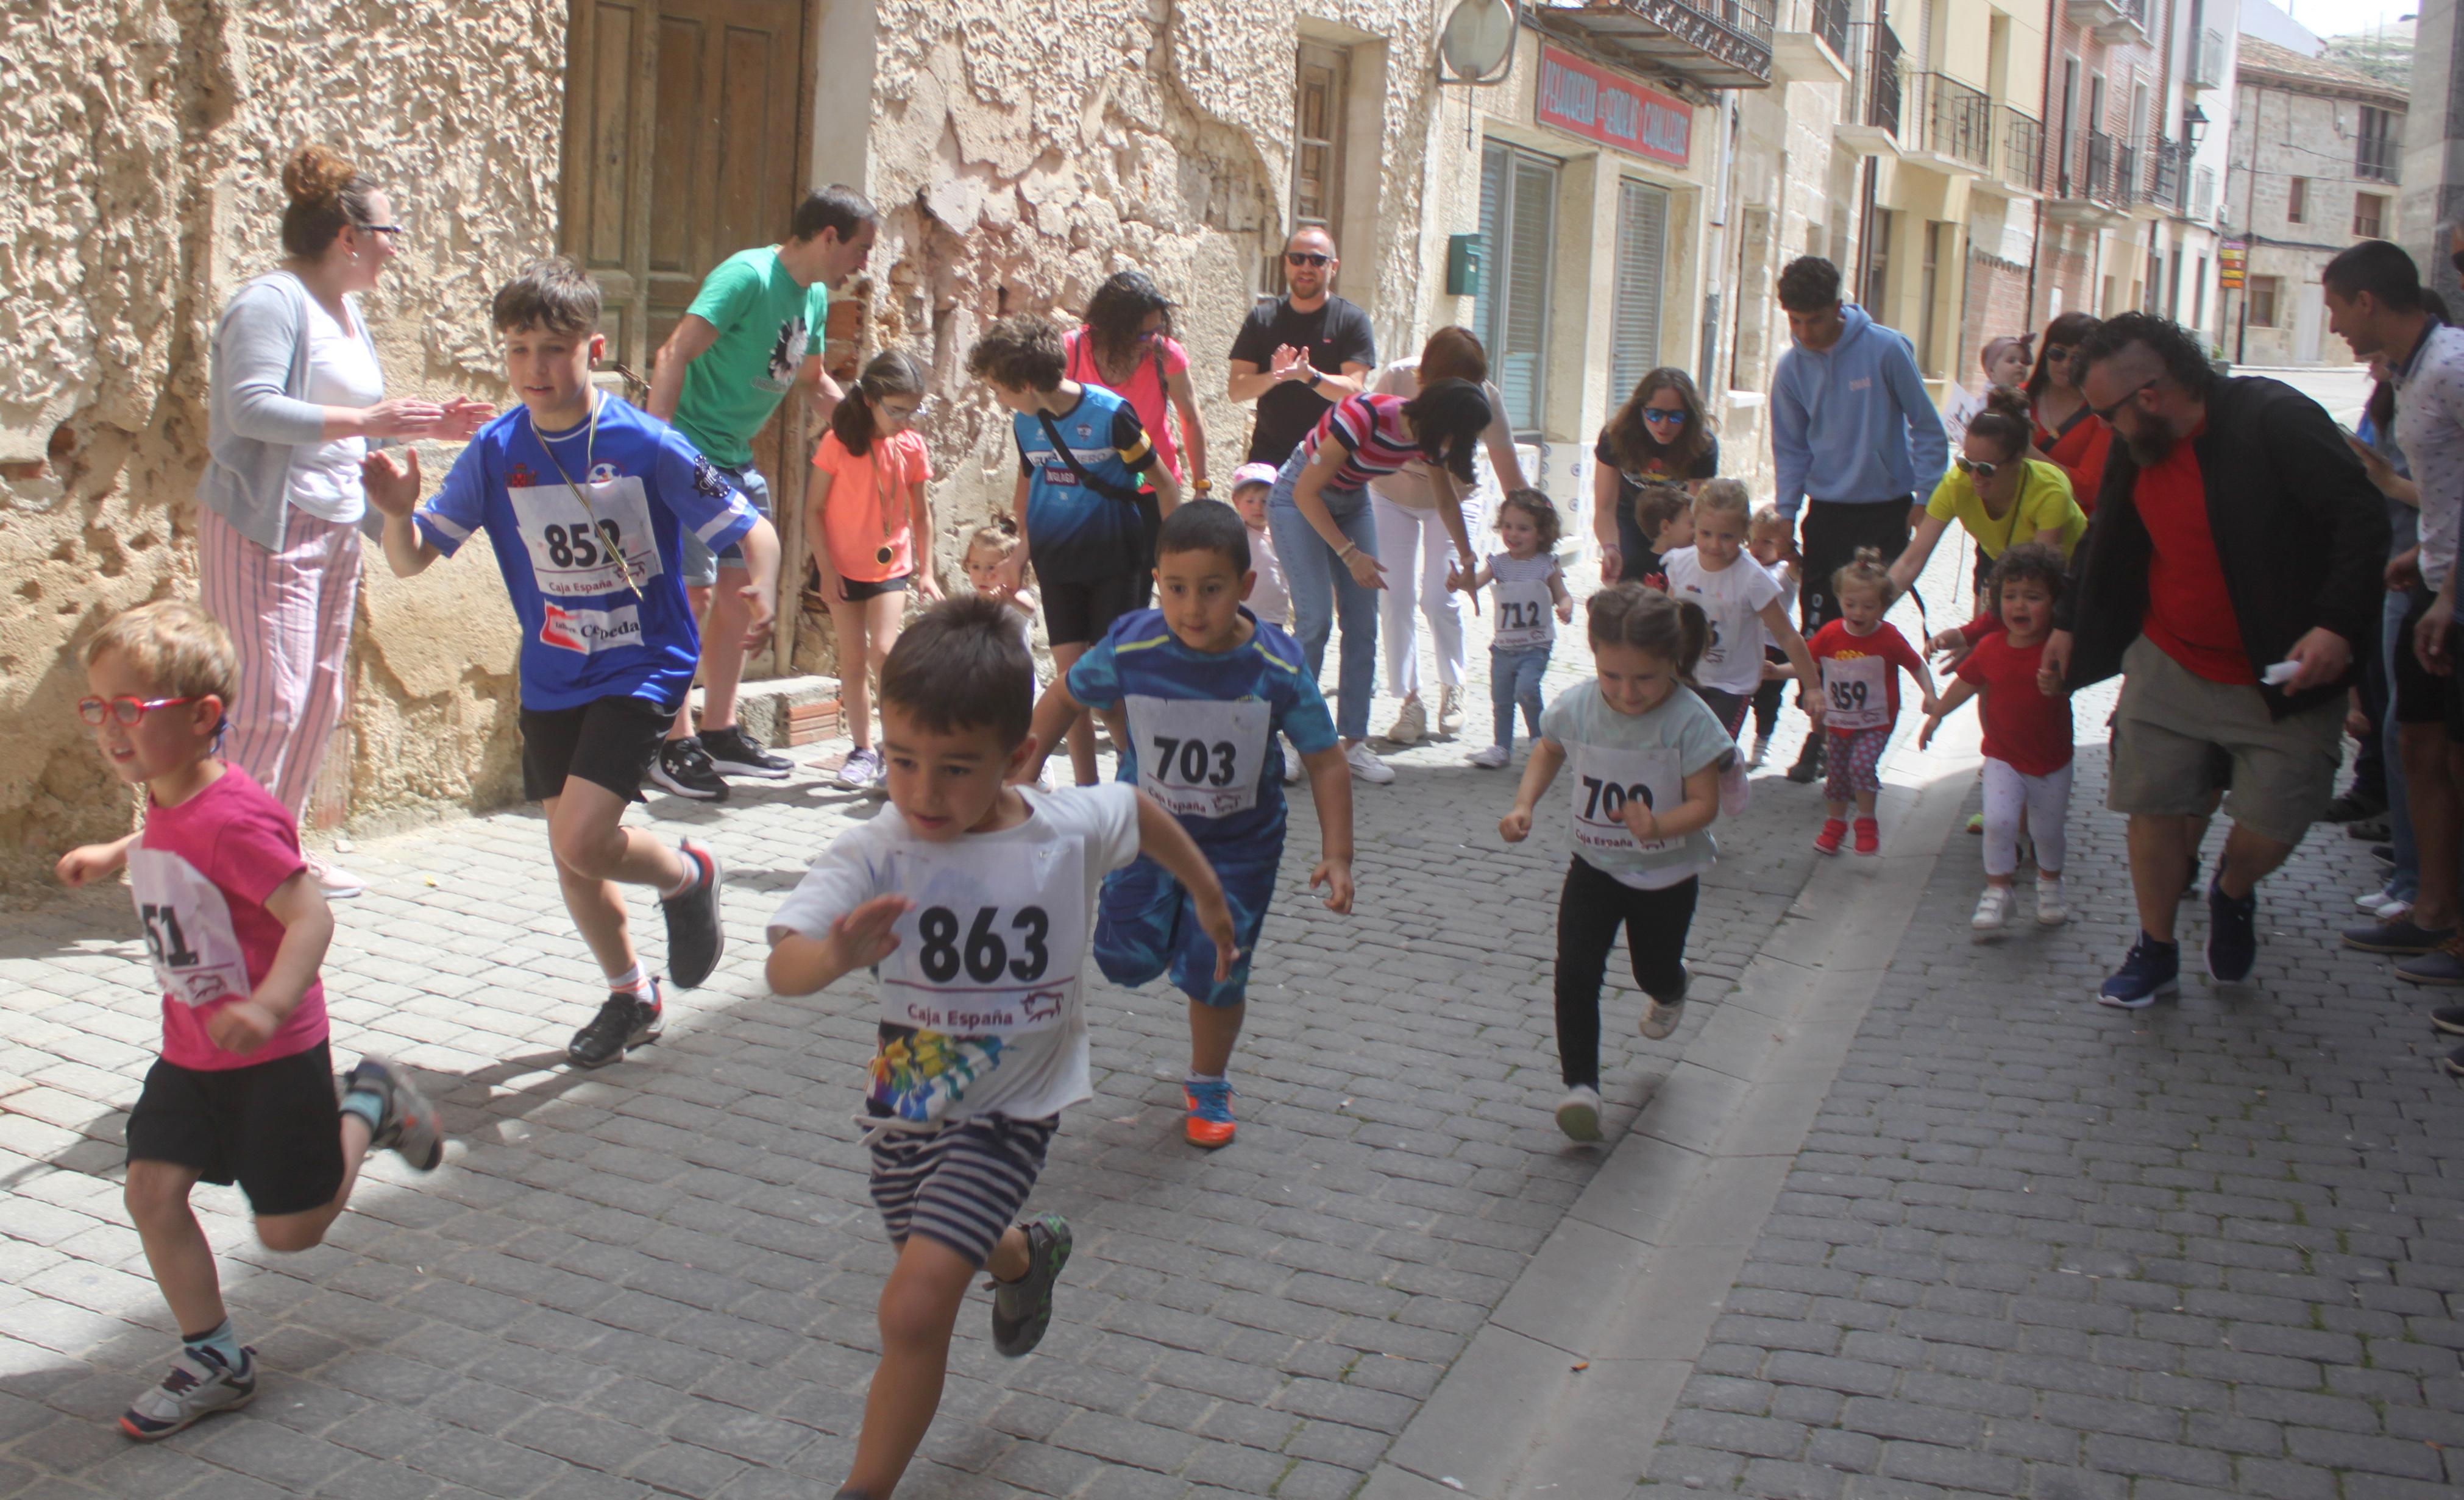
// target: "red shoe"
[[1210, 1114], [1834, 831], [1869, 836]]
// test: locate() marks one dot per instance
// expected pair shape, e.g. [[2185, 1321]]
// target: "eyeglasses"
[[2106, 413], [2055, 353], [1662, 414], [391, 232], [1304, 259], [124, 711], [1979, 468]]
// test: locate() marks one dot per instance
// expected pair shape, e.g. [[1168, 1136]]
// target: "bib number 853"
[[1195, 762], [1607, 800], [580, 546], [985, 953]]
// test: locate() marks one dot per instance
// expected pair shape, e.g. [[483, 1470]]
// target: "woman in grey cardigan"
[[297, 401]]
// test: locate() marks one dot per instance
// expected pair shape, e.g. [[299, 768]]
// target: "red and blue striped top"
[[1371, 426]]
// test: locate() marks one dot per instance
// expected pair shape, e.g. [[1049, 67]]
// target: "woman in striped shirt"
[[1326, 537]]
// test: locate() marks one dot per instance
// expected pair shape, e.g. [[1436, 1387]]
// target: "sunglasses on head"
[[124, 710], [1304, 259], [1981, 468]]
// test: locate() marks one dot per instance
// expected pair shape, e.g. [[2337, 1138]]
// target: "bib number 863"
[[1196, 762], [985, 953], [1607, 800]]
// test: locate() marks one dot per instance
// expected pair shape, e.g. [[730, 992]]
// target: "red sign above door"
[[1587, 100]]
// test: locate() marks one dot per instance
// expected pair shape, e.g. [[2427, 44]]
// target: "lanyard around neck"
[[589, 465]]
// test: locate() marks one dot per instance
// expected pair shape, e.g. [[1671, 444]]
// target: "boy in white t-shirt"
[[971, 902], [1268, 598], [1772, 541], [1742, 604]]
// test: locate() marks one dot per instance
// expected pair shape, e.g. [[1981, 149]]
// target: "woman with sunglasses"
[[1999, 493], [2066, 431], [296, 400], [1660, 435], [1125, 344]]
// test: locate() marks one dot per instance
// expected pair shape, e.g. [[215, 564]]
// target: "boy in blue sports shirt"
[[585, 500], [1080, 455], [1206, 686]]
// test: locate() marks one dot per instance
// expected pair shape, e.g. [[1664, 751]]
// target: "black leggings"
[[1834, 530], [1767, 696], [1591, 909]]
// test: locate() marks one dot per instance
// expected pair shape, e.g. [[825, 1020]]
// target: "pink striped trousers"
[[289, 615]]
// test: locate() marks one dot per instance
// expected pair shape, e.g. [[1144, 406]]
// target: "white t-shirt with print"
[[341, 372], [1733, 600]]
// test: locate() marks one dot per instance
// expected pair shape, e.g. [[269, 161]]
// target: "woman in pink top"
[[1125, 346]]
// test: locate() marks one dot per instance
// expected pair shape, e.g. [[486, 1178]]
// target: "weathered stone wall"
[[141, 188]]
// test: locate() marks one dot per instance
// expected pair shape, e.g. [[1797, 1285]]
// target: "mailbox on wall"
[[1464, 255]]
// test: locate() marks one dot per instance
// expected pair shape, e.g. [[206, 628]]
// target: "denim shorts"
[[700, 567]]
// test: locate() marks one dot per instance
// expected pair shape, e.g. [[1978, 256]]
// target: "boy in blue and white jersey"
[[1205, 687], [585, 500]]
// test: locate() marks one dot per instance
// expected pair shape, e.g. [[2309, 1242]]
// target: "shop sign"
[[1589, 102], [2232, 258]]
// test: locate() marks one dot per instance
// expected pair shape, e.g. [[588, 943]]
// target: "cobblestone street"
[[2032, 1249]]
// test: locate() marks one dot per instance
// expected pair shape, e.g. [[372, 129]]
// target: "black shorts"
[[961, 1185], [2421, 695], [272, 1127], [855, 590], [607, 741], [1078, 614]]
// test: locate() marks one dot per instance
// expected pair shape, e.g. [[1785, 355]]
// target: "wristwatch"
[[1316, 376]]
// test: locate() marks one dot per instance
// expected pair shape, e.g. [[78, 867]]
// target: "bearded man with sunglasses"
[[2231, 571], [1302, 352]]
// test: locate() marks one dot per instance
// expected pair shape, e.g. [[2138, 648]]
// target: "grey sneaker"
[[1578, 1113], [1661, 1015], [199, 1385], [409, 1125], [861, 770], [1022, 1309]]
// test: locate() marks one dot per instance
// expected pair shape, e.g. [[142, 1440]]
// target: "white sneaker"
[[2052, 911], [1491, 757], [2370, 902], [1992, 909], [1761, 751], [1366, 764], [2395, 910], [1294, 771], [1410, 725], [1578, 1113], [337, 882], [861, 769], [1450, 709]]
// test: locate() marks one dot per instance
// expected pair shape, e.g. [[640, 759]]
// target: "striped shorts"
[[959, 1185]]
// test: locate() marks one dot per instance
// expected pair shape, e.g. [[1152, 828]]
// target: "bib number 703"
[[1606, 801], [985, 953], [1195, 762]]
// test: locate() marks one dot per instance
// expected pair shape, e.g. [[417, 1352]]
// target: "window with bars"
[[1642, 248], [2264, 293], [1518, 222], [2369, 216]]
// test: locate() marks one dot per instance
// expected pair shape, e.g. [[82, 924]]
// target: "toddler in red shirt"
[[1861, 656], [245, 1091], [2027, 735]]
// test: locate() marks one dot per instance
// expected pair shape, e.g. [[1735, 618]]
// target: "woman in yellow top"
[[2001, 493]]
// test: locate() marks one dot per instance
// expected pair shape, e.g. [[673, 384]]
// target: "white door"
[[2306, 322]]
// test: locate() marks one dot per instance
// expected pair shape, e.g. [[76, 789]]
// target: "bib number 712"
[[1195, 762], [984, 955], [1520, 615], [1606, 801]]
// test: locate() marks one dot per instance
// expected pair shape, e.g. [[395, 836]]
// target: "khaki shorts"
[[2178, 739]]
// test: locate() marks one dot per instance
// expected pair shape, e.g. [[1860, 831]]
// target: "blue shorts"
[[1145, 922], [700, 566]]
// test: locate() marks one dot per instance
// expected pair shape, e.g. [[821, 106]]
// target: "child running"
[[1739, 600], [986, 551], [1269, 599], [585, 499], [1206, 686], [2027, 735], [1772, 541], [1647, 758], [1532, 600], [244, 1090], [1862, 657], [1665, 512], [1081, 456], [970, 902], [865, 506]]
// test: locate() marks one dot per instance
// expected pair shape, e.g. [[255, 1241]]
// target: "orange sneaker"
[[1210, 1113], [1835, 831], [1869, 836]]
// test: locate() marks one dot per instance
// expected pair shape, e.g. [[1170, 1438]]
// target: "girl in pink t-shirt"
[[1125, 346], [865, 506]]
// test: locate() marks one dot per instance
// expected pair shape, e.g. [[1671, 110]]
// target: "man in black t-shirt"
[[1301, 354]]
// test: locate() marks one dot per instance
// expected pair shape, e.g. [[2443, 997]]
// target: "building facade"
[[2316, 160]]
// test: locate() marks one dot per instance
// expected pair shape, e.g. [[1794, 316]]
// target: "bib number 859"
[[985, 954], [1607, 800], [1196, 762], [579, 546], [1848, 695]]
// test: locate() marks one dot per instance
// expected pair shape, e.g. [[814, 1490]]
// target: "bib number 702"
[[985, 953], [1606, 801], [1195, 762]]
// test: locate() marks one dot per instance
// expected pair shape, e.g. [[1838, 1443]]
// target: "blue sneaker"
[[2232, 935], [1210, 1121], [2150, 969]]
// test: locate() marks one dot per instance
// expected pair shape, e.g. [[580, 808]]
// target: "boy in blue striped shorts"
[[970, 902], [1207, 687]]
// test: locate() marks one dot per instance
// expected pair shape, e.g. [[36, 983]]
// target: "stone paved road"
[[661, 1278], [2038, 1247]]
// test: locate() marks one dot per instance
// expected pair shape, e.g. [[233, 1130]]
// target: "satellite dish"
[[1478, 42]]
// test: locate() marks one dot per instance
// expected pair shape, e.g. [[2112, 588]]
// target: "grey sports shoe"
[[408, 1125], [1022, 1309], [200, 1384], [1662, 1013]]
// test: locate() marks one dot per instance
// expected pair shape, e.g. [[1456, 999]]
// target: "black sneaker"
[[2352, 807], [622, 1024], [1809, 760], [684, 767], [2384, 854], [2448, 1018], [2372, 828], [2232, 935], [694, 937], [2399, 936], [1022, 1309], [2452, 1064], [733, 753]]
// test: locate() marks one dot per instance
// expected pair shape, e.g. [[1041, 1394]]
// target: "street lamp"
[[2194, 126]]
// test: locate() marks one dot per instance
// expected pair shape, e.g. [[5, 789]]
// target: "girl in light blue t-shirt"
[[1647, 756]]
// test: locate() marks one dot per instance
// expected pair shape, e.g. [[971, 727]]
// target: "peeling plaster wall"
[[142, 187]]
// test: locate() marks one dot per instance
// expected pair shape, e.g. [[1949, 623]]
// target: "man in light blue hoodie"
[[1854, 435]]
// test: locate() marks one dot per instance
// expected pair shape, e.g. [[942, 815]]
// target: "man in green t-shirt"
[[752, 334]]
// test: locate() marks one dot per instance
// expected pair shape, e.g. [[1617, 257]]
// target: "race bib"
[[579, 550], [1605, 780], [1200, 757], [197, 957], [1525, 616], [1857, 692], [994, 941]]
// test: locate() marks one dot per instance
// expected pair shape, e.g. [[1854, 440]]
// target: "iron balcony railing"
[[2170, 158], [1830, 21], [2023, 150], [2129, 182], [1951, 119], [2083, 167], [1874, 94], [2203, 193], [2207, 60]]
